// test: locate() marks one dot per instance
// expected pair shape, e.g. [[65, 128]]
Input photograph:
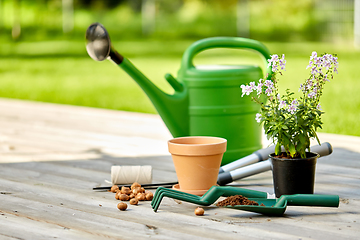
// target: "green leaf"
[[300, 147], [268, 136], [278, 148], [317, 139], [292, 150]]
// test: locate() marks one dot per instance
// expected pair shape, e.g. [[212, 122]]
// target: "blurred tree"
[[1, 15], [67, 15], [106, 3], [357, 23], [135, 5], [16, 27], [148, 16], [243, 18], [264, 20]]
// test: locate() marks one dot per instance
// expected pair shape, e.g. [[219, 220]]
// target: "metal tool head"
[[98, 43]]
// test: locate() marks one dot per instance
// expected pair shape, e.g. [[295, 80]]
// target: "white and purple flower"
[[281, 114], [275, 62], [282, 104], [246, 90], [293, 106], [258, 117]]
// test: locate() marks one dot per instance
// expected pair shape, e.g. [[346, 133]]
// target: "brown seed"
[[125, 190], [149, 196], [114, 188], [131, 195], [122, 206], [136, 190], [199, 211], [135, 185], [117, 195], [124, 197], [134, 201], [140, 196]]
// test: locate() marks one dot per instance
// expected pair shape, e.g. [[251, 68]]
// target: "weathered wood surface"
[[51, 156]]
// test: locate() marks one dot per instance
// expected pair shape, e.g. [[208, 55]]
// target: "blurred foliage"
[[62, 72], [270, 20], [46, 64]]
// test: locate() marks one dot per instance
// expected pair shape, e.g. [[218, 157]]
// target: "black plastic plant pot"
[[294, 176]]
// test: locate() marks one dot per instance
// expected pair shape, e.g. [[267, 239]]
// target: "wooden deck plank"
[[52, 155], [83, 206], [38, 115], [76, 140]]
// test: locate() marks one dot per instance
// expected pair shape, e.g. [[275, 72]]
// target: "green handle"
[[225, 42], [310, 200]]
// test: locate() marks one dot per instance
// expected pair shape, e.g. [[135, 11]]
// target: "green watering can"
[[207, 99]]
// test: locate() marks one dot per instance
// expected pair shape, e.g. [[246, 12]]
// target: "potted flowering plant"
[[290, 122]]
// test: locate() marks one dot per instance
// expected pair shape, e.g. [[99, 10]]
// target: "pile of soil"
[[236, 200]]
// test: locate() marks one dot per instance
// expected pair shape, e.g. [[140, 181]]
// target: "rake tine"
[[171, 191], [182, 196], [158, 190], [175, 192], [175, 196], [156, 195]]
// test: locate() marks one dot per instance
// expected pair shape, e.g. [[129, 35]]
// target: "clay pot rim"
[[197, 145], [219, 140]]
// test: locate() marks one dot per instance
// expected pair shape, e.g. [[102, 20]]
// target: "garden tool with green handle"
[[277, 207], [267, 206], [207, 199]]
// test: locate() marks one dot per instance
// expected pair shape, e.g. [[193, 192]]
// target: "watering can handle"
[[225, 42]]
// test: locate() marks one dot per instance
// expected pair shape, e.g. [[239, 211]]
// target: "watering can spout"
[[173, 109]]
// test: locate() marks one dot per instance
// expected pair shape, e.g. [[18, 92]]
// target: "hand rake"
[[207, 199]]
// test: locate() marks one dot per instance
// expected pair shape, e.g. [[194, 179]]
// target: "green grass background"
[[62, 72]]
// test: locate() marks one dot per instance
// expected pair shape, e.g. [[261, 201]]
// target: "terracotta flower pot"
[[294, 176], [197, 161]]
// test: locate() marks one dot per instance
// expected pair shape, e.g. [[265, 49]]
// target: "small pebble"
[[134, 201], [122, 206], [114, 188], [199, 211]]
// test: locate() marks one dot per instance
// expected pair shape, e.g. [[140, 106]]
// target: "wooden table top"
[[51, 156]]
